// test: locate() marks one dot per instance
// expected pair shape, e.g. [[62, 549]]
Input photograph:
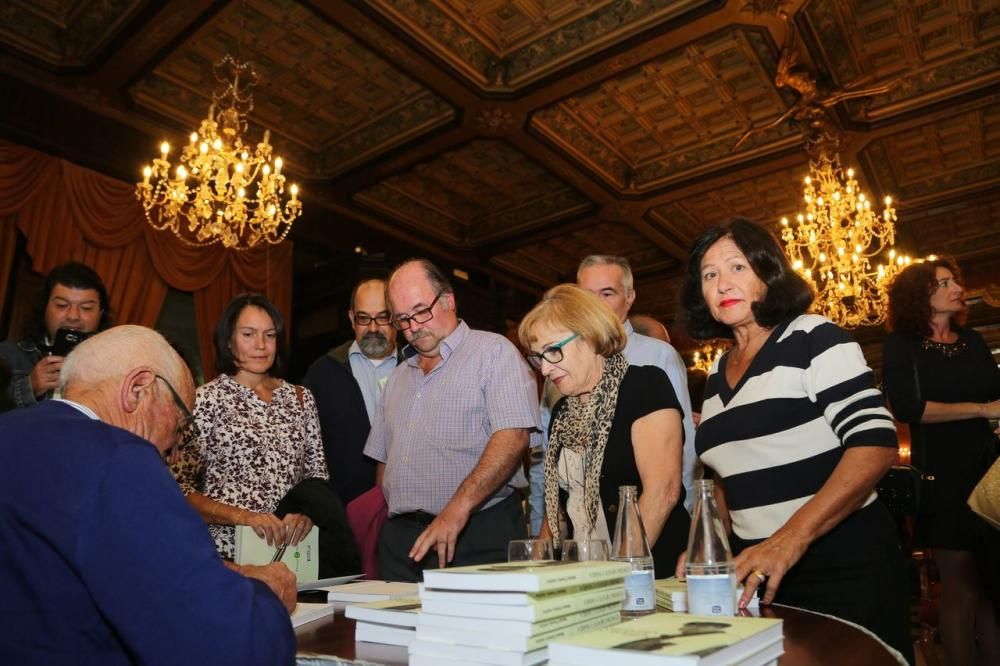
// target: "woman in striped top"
[[796, 436]]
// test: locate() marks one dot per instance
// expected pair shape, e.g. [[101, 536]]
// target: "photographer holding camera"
[[74, 305]]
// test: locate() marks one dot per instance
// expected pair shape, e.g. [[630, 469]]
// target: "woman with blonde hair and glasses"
[[617, 425]]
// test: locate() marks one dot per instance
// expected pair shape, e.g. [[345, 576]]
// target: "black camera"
[[66, 339]]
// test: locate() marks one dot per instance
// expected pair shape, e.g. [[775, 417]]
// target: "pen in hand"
[[279, 553]]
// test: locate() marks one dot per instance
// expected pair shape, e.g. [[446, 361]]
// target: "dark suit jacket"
[[343, 419]]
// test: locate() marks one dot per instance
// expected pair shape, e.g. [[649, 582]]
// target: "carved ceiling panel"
[[332, 102], [481, 192], [672, 116], [555, 260], [933, 47], [764, 199], [959, 230], [503, 45], [953, 154], [64, 33]]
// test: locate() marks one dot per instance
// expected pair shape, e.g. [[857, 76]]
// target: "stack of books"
[[506, 614], [391, 622], [671, 595], [672, 639]]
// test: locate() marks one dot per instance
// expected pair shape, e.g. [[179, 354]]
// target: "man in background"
[[610, 278], [348, 382], [450, 434], [103, 560], [74, 298]]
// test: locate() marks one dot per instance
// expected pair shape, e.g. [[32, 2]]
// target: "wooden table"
[[810, 640]]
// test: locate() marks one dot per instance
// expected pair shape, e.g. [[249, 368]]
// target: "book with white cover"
[[501, 598], [302, 559], [467, 654], [670, 639], [369, 590], [531, 576], [509, 642], [402, 612], [372, 632], [553, 605], [305, 613], [515, 628]]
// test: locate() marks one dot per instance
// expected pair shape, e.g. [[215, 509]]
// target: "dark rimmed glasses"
[[552, 353], [421, 316], [187, 429], [364, 319]]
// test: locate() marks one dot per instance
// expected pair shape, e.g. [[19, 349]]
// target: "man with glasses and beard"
[[347, 383], [449, 435]]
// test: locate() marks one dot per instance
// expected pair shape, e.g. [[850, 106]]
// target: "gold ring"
[[760, 574]]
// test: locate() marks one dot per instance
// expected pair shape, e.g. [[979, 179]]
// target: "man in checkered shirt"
[[450, 434]]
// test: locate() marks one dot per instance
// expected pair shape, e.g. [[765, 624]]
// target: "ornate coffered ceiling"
[[510, 138]]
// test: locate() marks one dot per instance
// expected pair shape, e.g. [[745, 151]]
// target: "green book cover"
[[532, 576], [670, 638], [486, 638], [515, 628], [399, 612], [550, 606], [302, 559]]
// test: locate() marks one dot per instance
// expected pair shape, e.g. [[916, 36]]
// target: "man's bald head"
[[122, 374]]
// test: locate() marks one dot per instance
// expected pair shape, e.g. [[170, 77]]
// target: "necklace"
[[946, 349]]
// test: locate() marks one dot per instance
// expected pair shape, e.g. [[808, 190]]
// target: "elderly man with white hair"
[[103, 561]]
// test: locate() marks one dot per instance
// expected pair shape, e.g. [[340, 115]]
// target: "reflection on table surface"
[[810, 640]]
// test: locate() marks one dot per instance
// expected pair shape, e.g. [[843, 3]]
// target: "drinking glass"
[[585, 550], [522, 550]]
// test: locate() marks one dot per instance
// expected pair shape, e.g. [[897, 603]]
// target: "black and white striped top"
[[776, 437]]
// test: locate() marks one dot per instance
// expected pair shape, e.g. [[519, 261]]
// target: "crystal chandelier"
[[705, 358], [835, 242], [223, 190]]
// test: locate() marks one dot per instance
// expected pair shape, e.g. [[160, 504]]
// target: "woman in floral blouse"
[[259, 435]]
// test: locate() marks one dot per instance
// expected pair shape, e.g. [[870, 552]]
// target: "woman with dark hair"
[[260, 435], [942, 380], [797, 436]]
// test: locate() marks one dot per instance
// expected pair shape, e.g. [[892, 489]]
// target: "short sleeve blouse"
[[250, 452]]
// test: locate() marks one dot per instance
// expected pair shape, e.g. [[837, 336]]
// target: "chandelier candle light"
[[835, 241], [704, 358], [223, 190]]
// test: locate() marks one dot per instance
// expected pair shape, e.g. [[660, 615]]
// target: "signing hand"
[[441, 534], [45, 375], [296, 526], [276, 576], [769, 560], [265, 525]]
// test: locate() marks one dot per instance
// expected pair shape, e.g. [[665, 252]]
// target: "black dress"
[[644, 390], [957, 453]]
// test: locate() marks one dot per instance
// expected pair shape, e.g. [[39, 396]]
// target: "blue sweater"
[[104, 562]]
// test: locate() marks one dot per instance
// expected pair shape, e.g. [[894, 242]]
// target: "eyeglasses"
[[552, 354], [364, 319], [421, 316], [187, 430]]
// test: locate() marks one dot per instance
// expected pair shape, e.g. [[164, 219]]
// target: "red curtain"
[[68, 213]]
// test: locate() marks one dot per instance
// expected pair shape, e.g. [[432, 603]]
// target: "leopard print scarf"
[[583, 427]]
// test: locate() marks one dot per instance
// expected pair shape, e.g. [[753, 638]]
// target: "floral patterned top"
[[250, 452]]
